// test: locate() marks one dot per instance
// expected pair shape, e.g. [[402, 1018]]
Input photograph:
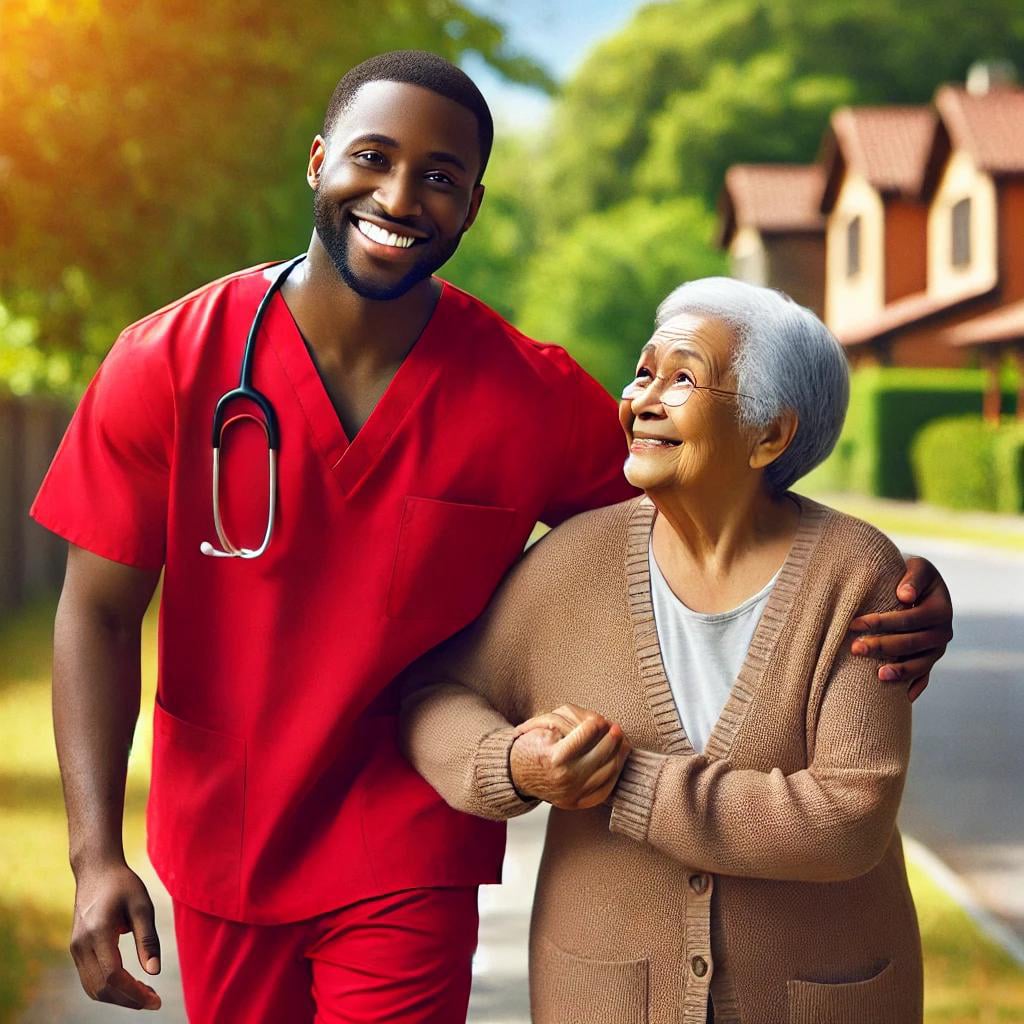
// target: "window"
[[961, 215], [853, 247]]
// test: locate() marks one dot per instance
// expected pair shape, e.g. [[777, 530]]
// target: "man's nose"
[[398, 196]]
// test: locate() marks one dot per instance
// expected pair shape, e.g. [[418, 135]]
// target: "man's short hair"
[[416, 67]]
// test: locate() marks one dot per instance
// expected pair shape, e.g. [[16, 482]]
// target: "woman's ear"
[[771, 442]]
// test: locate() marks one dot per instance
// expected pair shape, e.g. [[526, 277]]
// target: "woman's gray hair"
[[784, 357]]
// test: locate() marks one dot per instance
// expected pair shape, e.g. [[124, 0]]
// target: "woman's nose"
[[648, 402]]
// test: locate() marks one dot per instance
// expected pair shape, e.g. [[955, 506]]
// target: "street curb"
[[955, 888]]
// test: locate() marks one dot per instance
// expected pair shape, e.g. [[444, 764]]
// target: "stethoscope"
[[269, 423]]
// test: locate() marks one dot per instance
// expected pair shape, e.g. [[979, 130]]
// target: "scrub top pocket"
[[195, 811], [449, 559]]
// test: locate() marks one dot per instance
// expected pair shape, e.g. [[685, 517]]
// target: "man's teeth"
[[653, 442], [384, 237]]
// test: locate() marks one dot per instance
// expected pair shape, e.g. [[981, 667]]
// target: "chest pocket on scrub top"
[[449, 558]]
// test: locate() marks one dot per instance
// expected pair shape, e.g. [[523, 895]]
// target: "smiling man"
[[418, 440]]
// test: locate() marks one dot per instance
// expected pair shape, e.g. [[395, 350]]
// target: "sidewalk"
[[499, 995]]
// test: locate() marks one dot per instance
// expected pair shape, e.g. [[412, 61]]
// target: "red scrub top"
[[278, 791]]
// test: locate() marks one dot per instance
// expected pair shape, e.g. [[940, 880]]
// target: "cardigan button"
[[699, 966], [699, 884]]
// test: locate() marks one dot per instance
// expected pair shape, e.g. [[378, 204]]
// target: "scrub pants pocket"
[[195, 811]]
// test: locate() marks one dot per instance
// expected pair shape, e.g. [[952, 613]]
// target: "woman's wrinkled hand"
[[570, 757]]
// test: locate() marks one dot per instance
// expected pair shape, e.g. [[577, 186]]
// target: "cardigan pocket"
[[873, 1001], [570, 989]]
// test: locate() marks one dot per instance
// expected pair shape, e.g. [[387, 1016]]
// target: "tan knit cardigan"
[[767, 870]]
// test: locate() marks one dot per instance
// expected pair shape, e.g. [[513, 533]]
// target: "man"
[[421, 438]]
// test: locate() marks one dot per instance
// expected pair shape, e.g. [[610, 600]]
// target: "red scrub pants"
[[404, 958]]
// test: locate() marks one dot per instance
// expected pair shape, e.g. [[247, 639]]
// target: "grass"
[[968, 979], [36, 887], [1005, 533]]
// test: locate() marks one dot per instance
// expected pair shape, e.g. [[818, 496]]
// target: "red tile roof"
[[906, 311], [889, 146], [1001, 325], [771, 198], [989, 126]]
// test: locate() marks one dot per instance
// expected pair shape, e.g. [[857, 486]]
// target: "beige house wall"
[[852, 300], [961, 179], [747, 257]]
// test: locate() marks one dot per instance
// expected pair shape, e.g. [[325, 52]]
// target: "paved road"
[[965, 793], [963, 798]]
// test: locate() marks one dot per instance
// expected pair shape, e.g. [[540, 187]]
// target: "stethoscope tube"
[[246, 391]]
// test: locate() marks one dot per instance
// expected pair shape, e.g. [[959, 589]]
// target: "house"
[[874, 159], [976, 224], [771, 223], [922, 262]]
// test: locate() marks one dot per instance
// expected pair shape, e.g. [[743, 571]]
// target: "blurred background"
[[867, 157]]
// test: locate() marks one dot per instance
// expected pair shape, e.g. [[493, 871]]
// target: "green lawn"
[[914, 518], [36, 887], [967, 978]]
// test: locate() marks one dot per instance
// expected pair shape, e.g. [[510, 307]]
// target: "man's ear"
[[317, 154], [771, 442], [474, 206]]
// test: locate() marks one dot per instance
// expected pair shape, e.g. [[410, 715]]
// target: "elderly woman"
[[745, 865]]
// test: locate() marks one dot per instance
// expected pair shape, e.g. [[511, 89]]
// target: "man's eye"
[[440, 177], [371, 156], [682, 377]]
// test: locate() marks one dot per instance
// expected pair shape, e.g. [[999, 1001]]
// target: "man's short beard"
[[335, 243]]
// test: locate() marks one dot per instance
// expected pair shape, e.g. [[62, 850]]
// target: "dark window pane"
[[853, 247], [962, 233]]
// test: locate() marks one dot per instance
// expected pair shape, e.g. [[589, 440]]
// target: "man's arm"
[[96, 695], [915, 636]]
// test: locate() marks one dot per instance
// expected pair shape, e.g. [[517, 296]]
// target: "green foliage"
[[1008, 464], [953, 463], [147, 147], [492, 257], [692, 86], [963, 462], [594, 288], [888, 406]]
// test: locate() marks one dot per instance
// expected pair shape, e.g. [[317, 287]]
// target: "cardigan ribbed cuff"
[[494, 775], [633, 796]]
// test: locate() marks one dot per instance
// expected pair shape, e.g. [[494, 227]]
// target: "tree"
[[494, 254], [147, 146], [595, 287], [692, 86]]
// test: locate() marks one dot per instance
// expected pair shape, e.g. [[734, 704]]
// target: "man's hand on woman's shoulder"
[[914, 636], [570, 757]]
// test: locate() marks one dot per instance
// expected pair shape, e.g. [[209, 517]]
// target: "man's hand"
[[915, 636], [571, 757], [111, 901]]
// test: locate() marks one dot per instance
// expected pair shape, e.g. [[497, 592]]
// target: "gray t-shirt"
[[702, 653]]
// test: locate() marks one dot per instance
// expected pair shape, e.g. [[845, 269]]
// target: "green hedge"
[[962, 462], [888, 407]]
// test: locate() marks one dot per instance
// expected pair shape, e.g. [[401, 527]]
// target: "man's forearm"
[[96, 695]]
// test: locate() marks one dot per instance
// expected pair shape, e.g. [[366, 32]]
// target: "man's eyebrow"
[[381, 140], [439, 156], [447, 158]]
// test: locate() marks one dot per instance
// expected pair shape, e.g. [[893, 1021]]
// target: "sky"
[[557, 33]]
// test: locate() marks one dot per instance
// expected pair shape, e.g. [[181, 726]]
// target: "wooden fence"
[[31, 558]]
